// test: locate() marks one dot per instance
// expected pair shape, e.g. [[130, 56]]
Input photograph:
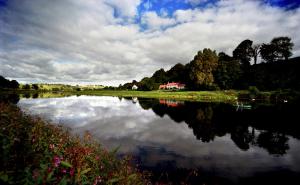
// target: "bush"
[[253, 91]]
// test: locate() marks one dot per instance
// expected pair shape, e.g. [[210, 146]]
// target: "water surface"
[[199, 143]]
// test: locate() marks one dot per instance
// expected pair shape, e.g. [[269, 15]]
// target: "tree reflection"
[[211, 120]]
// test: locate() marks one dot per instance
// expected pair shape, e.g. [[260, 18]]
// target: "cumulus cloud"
[[110, 42]]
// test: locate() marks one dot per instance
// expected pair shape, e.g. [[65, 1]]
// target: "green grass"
[[36, 152], [178, 95]]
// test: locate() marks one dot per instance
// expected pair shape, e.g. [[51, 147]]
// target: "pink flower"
[[97, 157], [72, 172], [63, 171], [56, 161]]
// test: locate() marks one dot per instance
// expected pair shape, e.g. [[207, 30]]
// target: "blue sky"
[[115, 41]]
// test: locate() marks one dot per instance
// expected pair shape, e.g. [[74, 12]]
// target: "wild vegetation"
[[35, 152]]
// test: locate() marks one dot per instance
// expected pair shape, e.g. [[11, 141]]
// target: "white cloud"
[[153, 21], [83, 41], [126, 8]]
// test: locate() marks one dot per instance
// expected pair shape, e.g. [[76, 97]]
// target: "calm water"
[[211, 143]]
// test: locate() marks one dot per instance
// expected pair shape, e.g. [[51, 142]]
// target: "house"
[[134, 87], [173, 85]]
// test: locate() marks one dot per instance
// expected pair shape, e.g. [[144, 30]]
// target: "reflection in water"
[[213, 140]]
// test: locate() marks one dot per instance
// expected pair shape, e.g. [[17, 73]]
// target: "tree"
[[267, 52], [35, 86], [160, 76], [201, 69], [177, 73], [227, 72], [243, 52], [14, 84], [280, 48], [283, 47], [147, 84], [26, 87]]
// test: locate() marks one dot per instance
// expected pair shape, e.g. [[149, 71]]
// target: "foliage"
[[283, 47], [35, 86], [228, 72], [201, 69], [280, 48], [34, 152], [5, 83], [243, 52]]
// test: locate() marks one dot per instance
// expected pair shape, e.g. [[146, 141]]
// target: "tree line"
[[8, 84], [211, 71]]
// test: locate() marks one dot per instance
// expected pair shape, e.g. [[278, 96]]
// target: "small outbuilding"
[[134, 87]]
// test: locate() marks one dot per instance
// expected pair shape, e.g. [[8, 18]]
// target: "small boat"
[[242, 106]]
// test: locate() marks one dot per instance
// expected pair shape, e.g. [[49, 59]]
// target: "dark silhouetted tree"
[[35, 87], [228, 72], [160, 76], [283, 47], [177, 73], [267, 52], [280, 48], [26, 87], [243, 52]]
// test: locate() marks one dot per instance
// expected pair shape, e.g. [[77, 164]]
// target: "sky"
[[116, 41]]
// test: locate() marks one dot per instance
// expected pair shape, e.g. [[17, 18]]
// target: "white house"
[[134, 87]]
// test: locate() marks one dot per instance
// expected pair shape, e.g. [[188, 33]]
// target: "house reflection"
[[171, 103]]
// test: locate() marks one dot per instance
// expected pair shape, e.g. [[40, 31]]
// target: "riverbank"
[[176, 95], [211, 96], [36, 152], [252, 94]]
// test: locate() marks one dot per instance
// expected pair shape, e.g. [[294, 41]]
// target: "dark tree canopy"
[[267, 52], [5, 83], [280, 48], [160, 76], [244, 52], [283, 47], [228, 72]]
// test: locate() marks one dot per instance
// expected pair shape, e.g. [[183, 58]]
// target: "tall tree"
[[227, 72], [201, 69], [268, 52], [280, 48], [177, 73], [243, 52], [160, 76], [283, 47]]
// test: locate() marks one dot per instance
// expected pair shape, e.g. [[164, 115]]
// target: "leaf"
[[63, 181], [49, 176], [114, 180], [85, 171], [113, 152], [132, 176], [66, 164]]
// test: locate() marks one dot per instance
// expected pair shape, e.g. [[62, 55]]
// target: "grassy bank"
[[177, 95], [35, 152]]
